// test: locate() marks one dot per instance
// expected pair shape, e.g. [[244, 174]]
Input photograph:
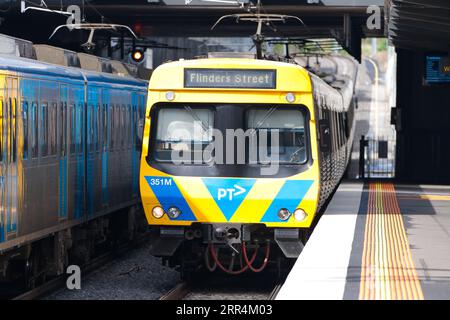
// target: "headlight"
[[158, 212], [284, 214], [300, 214], [173, 212]]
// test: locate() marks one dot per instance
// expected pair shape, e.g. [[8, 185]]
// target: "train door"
[[77, 161], [11, 175], [62, 151], [91, 123]]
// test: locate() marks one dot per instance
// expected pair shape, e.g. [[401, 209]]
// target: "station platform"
[[377, 241]]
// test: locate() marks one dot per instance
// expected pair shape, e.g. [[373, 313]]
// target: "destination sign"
[[230, 78]]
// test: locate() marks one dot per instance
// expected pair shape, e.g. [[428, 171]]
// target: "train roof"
[[30, 66], [213, 62], [170, 76]]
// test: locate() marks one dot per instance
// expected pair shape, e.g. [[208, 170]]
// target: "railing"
[[377, 157]]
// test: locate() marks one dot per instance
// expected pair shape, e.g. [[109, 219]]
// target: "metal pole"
[[362, 143]]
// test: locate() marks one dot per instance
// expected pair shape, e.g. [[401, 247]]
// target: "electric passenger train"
[[232, 215], [69, 156]]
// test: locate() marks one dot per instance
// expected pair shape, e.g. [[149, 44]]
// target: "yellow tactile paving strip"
[[388, 270]]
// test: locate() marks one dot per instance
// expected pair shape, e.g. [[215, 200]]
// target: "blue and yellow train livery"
[[218, 196]]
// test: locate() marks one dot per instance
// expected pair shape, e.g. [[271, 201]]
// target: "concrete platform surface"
[[377, 241]]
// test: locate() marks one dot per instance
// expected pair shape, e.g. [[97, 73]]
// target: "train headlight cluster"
[[158, 212], [173, 212], [284, 214], [300, 214]]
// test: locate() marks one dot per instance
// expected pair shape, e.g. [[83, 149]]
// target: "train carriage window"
[[13, 131], [183, 132], [105, 127], [112, 115], [43, 128], [97, 128], [63, 128], [72, 127], [123, 132], [290, 126], [90, 124], [25, 129], [34, 131], [128, 118], [52, 128], [116, 128], [79, 129]]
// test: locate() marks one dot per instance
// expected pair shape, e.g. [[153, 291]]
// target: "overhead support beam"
[[419, 24], [351, 37]]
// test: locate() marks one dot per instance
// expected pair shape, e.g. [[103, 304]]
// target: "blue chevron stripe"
[[168, 195], [289, 197]]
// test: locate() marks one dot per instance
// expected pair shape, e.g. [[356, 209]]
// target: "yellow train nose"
[[220, 200]]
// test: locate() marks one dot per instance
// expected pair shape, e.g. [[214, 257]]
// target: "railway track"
[[91, 266], [183, 289]]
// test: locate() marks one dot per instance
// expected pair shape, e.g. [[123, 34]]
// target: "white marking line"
[[321, 270]]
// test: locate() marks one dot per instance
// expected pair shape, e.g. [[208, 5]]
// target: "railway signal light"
[[137, 55]]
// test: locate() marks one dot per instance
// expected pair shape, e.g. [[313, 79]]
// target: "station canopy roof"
[[419, 24]]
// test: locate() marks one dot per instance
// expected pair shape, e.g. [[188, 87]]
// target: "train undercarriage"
[[31, 264], [229, 248]]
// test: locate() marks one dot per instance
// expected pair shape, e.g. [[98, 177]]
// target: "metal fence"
[[377, 157]]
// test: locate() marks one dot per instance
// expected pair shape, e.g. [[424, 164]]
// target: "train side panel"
[[55, 149]]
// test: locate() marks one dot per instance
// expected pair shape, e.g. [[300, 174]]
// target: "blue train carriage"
[[69, 156]]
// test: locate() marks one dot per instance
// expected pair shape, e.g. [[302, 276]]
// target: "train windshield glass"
[[183, 132], [289, 125]]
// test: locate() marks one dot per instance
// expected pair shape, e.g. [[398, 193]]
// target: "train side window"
[[112, 113], [72, 127], [346, 125], [43, 128], [63, 129], [97, 128], [127, 125], [105, 127], [123, 133], [25, 129], [118, 128], [13, 104], [34, 134], [90, 124], [336, 130], [52, 128], [79, 125]]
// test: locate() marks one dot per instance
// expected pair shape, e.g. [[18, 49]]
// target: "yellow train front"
[[231, 161]]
